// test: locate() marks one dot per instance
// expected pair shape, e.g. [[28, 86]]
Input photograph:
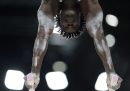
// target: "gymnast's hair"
[[61, 30]]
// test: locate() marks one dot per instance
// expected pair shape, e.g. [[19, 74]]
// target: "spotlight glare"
[[59, 66], [110, 40], [101, 84], [112, 20], [14, 80], [56, 80]]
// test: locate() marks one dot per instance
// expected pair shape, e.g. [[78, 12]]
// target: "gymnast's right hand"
[[31, 80]]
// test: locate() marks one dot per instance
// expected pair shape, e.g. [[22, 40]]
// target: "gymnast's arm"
[[45, 29], [95, 29], [39, 51]]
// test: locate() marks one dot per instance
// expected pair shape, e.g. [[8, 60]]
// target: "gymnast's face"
[[69, 20]]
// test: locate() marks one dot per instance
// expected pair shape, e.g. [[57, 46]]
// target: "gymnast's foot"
[[31, 80], [113, 81]]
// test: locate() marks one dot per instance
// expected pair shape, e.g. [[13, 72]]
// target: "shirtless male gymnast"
[[73, 17]]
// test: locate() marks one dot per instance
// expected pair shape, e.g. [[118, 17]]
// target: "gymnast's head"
[[70, 20]]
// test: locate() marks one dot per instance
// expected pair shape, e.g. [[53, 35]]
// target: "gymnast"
[[73, 17]]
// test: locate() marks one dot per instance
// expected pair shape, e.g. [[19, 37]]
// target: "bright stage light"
[[59, 66], [14, 80], [112, 20], [56, 80], [101, 84], [110, 40]]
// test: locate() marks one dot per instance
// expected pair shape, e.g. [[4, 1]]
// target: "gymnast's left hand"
[[113, 81]]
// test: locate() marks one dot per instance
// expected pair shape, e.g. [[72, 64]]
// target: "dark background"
[[18, 28]]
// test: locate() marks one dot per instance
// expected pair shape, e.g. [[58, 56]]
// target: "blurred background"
[[76, 59]]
